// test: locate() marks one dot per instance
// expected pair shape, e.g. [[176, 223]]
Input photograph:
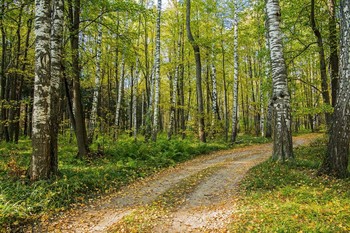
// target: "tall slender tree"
[[4, 41], [174, 89], [93, 114], [282, 135], [41, 141], [235, 74], [56, 76], [74, 27], [337, 155], [197, 55], [322, 57], [333, 46], [157, 74]]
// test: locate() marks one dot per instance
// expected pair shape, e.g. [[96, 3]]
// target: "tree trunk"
[[201, 123], [93, 114], [174, 86], [41, 160], [181, 84], [16, 83], [157, 75], [80, 132], [120, 95], [3, 119], [262, 108], [56, 77], [323, 69], [268, 132], [215, 106], [282, 135], [337, 155], [333, 46], [235, 75], [21, 81], [225, 85], [134, 100]]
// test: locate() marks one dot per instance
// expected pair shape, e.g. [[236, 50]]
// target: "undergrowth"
[[292, 198], [23, 203]]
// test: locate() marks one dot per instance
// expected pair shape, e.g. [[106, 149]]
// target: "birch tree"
[[176, 78], [134, 98], [93, 114], [120, 87], [56, 76], [215, 109], [41, 158], [268, 132], [337, 155], [174, 91], [157, 74], [282, 135], [235, 74]]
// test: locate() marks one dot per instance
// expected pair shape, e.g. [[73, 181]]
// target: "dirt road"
[[195, 196]]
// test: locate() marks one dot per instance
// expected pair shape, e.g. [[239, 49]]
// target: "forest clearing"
[[178, 116]]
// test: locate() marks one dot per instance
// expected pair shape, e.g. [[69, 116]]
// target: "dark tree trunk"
[[337, 156], [4, 128], [80, 132], [333, 46], [201, 124], [323, 69]]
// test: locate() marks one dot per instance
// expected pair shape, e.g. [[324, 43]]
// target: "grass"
[[22, 202], [292, 198]]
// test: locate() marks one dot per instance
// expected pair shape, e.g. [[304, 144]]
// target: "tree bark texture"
[[235, 75], [41, 159], [93, 114], [282, 134], [174, 91], [337, 155], [80, 132], [56, 77], [157, 74], [333, 46]]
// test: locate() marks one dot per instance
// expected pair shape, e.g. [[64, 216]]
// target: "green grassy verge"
[[291, 198], [22, 202]]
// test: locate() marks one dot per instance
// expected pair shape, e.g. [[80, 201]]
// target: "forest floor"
[[196, 196]]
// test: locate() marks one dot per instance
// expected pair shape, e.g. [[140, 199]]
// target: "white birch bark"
[[56, 75], [40, 161], [214, 94], [93, 114], [262, 109], [235, 74], [120, 87], [174, 96], [120, 92], [157, 74], [283, 147], [268, 132], [134, 99]]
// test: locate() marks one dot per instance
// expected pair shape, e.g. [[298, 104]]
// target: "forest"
[[98, 94]]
